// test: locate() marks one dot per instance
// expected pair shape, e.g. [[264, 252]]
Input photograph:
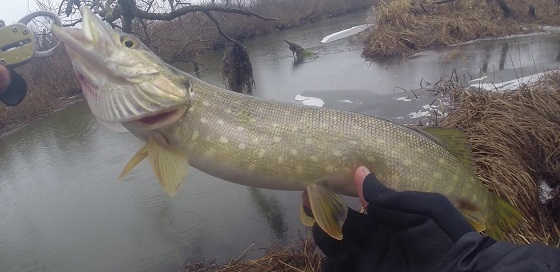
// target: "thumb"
[[359, 176]]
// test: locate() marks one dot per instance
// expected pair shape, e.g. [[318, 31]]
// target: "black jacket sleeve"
[[474, 252]]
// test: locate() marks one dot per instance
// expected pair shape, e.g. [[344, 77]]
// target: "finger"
[[4, 77], [359, 177], [373, 190], [410, 207]]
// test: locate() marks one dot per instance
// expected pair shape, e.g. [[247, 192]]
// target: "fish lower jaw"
[[160, 119]]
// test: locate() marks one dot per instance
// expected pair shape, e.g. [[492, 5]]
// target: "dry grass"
[[302, 257], [515, 138], [407, 26]]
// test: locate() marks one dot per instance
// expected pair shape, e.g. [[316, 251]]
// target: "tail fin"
[[504, 219]]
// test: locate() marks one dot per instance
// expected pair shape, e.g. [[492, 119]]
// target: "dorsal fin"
[[455, 141]]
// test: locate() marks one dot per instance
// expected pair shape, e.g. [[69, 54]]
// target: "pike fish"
[[247, 140]]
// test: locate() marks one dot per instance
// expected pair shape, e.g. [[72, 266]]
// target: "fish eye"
[[128, 43]]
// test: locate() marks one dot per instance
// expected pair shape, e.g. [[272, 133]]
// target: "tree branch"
[[60, 7], [128, 10], [72, 23], [220, 29], [195, 8]]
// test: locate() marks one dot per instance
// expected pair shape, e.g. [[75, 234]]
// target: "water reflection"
[[270, 209], [503, 55]]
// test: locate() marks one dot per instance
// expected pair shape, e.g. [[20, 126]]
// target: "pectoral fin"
[[135, 160], [169, 166], [328, 210]]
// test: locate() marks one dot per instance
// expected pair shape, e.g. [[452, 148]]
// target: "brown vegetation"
[[515, 137], [302, 257], [404, 27]]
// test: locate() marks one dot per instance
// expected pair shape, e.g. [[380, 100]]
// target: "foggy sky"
[[12, 10]]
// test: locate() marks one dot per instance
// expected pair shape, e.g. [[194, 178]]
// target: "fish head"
[[122, 80]]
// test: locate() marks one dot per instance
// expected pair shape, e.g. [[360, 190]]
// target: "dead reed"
[[301, 257], [404, 27], [515, 139]]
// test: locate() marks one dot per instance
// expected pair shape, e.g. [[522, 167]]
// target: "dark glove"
[[402, 231], [15, 92]]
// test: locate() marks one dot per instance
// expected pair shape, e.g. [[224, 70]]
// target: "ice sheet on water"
[[310, 101], [509, 85], [345, 33], [404, 98]]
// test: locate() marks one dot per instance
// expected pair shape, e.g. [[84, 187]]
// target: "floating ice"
[[310, 101], [509, 85], [479, 79], [427, 110], [404, 98], [345, 33], [345, 101], [545, 192], [418, 114]]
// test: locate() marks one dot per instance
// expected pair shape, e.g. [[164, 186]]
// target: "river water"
[[63, 209]]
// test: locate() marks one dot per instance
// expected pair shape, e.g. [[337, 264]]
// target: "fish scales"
[[254, 141], [186, 122]]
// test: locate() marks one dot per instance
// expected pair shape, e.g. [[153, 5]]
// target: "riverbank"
[[182, 39], [51, 82], [50, 87], [404, 27], [302, 256]]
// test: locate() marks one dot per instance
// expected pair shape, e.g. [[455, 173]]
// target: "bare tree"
[[129, 15], [122, 13]]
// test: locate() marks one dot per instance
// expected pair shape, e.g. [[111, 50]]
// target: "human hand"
[[4, 78], [402, 231]]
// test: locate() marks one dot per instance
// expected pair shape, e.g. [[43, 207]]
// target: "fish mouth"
[[160, 119], [121, 84], [93, 41]]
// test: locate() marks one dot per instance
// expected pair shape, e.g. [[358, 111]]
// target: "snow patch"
[[418, 114], [310, 101], [479, 79], [404, 98], [345, 33], [427, 110], [545, 192], [509, 85]]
